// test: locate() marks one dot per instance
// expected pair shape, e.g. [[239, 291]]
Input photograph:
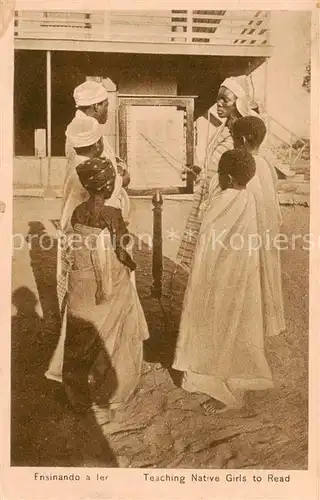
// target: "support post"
[[157, 264], [189, 26], [49, 192]]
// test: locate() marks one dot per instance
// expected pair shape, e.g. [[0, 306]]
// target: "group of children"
[[103, 325], [233, 299]]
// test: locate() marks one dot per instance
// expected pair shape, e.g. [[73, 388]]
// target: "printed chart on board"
[[156, 146]]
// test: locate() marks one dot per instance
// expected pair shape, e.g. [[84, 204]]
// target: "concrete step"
[[294, 199]]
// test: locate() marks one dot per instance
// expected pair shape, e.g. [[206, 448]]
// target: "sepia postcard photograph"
[[159, 247]]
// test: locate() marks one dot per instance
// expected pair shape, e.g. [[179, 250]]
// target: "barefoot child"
[[220, 345], [102, 294]]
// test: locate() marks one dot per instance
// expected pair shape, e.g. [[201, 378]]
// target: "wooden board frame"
[[186, 103]]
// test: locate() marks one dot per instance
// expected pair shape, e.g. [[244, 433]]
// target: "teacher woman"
[[232, 103]]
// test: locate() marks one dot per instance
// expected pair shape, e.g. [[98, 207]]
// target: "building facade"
[[170, 62]]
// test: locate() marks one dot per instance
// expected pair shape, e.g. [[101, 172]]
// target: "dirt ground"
[[162, 426]]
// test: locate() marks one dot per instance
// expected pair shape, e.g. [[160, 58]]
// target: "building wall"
[[278, 82], [139, 79], [147, 85]]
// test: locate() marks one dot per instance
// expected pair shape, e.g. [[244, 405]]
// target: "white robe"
[[101, 294], [221, 339], [73, 195], [263, 187]]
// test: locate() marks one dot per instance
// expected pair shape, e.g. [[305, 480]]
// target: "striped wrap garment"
[[221, 142]]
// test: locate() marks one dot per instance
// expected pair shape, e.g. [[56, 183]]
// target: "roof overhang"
[[106, 46]]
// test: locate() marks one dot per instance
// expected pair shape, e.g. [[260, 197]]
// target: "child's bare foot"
[[214, 407]]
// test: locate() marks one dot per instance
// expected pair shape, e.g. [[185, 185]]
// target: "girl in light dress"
[[220, 346]]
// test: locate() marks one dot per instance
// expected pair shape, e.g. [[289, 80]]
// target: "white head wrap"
[[89, 93], [83, 131], [244, 107], [235, 87]]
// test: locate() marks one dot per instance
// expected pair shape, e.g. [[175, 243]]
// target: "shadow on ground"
[[44, 429], [163, 315], [43, 262], [163, 426]]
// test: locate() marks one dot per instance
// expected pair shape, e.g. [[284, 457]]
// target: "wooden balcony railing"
[[215, 27]]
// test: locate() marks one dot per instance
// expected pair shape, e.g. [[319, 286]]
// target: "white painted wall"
[[280, 79]]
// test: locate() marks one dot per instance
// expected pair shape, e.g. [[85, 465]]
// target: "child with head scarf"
[[101, 210], [101, 365], [85, 136]]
